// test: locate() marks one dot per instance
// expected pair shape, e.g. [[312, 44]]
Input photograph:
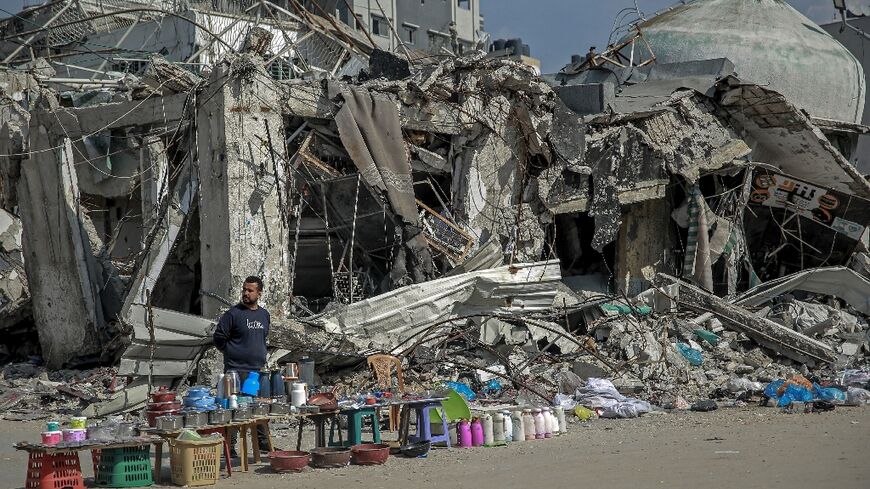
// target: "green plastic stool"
[[355, 420]]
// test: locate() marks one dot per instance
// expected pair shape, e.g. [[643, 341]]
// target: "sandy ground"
[[737, 447]]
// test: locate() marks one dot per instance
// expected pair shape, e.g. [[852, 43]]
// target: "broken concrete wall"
[[58, 257]]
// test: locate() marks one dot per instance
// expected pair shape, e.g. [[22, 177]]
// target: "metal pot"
[[127, 429], [100, 432], [242, 413], [279, 408], [170, 423], [220, 416], [260, 409], [195, 419], [163, 395]]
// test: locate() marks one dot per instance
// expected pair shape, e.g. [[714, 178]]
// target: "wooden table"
[[99, 445], [242, 426]]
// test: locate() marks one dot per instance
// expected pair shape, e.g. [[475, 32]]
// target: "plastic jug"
[[508, 426], [518, 432], [538, 423], [548, 422], [555, 419], [251, 386], [463, 433], [498, 437], [488, 431], [297, 394], [476, 433], [529, 424], [560, 416]]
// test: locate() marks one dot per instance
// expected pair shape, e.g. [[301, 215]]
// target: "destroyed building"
[[399, 202]]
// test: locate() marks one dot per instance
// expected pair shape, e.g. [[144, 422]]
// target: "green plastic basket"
[[124, 467]]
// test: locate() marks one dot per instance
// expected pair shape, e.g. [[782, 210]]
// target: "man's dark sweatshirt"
[[241, 336]]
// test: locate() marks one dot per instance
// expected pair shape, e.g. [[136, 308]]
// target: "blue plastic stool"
[[424, 428], [355, 420]]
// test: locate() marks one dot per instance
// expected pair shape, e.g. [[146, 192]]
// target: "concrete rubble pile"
[[673, 227]]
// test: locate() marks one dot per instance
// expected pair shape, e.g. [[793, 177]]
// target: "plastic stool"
[[354, 427], [424, 428], [59, 470]]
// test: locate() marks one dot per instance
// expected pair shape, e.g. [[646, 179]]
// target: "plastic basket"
[[195, 463], [124, 467], [54, 471]]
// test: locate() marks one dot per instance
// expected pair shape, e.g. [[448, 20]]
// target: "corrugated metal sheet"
[[179, 339], [514, 289]]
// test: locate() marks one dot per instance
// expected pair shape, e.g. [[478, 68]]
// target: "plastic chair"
[[382, 367]]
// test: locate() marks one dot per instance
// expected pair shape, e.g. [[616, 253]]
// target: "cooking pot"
[[220, 416], [242, 413], [170, 423], [163, 395], [195, 419], [260, 409], [279, 408], [151, 416]]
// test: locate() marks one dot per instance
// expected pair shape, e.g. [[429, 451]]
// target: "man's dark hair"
[[253, 279]]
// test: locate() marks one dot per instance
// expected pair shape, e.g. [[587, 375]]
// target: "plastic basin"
[[330, 457], [289, 461], [370, 453]]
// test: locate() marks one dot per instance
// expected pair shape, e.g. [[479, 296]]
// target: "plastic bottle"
[[529, 424], [498, 433], [488, 430], [560, 416], [548, 422], [463, 433], [518, 432], [507, 426], [476, 433], [539, 423], [556, 428]]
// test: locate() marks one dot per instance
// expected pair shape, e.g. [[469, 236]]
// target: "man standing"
[[241, 336]]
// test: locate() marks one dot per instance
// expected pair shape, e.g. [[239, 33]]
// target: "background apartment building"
[[427, 25]]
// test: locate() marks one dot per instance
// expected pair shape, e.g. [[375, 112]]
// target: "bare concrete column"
[[153, 169], [242, 231], [58, 256], [644, 245]]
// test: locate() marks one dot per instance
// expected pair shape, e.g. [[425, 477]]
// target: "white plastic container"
[[518, 432], [555, 422], [488, 435], [508, 426], [529, 424], [560, 416], [297, 394], [498, 433], [548, 422], [539, 423]]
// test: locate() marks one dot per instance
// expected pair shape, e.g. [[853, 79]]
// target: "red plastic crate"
[[59, 470]]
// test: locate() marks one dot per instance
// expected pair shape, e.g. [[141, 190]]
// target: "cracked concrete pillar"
[[153, 168], [242, 187], [61, 269]]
